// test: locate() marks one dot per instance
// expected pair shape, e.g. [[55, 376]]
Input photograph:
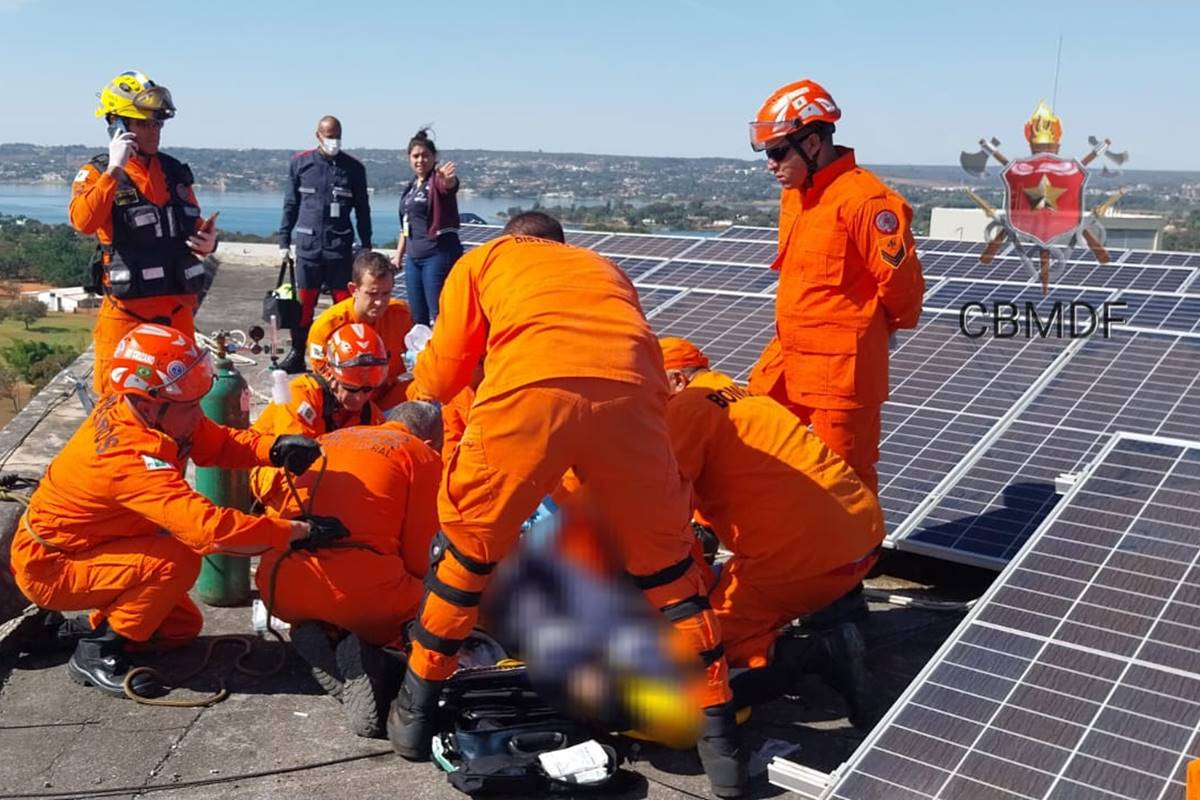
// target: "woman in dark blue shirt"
[[429, 243]]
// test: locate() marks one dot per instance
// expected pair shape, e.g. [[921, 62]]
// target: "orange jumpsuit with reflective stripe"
[[90, 211], [573, 379], [382, 483], [122, 531], [310, 411], [802, 527], [848, 277], [394, 322]]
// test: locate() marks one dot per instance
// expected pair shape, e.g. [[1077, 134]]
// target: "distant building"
[[69, 299], [1123, 230]]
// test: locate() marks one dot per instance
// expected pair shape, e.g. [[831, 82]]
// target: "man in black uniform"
[[323, 185]]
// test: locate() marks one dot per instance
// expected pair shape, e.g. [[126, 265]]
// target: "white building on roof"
[[1125, 231]]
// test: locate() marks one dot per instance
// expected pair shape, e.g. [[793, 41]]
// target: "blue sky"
[[917, 81]]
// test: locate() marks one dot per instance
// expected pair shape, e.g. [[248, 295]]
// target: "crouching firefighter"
[[349, 600], [113, 525], [573, 379], [139, 203], [803, 529], [354, 367]]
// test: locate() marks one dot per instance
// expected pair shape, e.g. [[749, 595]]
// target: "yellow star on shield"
[[1044, 195]]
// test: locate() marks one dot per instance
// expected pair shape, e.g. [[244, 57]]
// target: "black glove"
[[294, 453], [322, 532]]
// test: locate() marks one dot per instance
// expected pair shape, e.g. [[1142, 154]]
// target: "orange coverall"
[[90, 211], [382, 483], [848, 277], [395, 321], [454, 420], [573, 378], [311, 411], [114, 526], [802, 527]]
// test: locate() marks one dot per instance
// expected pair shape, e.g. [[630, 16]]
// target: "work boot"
[[313, 645], [721, 752], [850, 607], [99, 660], [293, 362], [372, 679], [412, 719], [53, 633], [838, 657]]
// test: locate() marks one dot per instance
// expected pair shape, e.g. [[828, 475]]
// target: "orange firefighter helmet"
[[789, 109], [160, 363], [356, 356]]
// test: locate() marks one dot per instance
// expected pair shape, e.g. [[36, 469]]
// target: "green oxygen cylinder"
[[225, 580]]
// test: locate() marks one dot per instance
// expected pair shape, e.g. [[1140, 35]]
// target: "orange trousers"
[[139, 584], [514, 452], [113, 321], [852, 433], [369, 594], [752, 609], [1193, 779]]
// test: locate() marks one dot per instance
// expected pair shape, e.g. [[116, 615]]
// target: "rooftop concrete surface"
[[280, 735]]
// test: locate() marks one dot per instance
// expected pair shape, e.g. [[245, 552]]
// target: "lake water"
[[248, 212]]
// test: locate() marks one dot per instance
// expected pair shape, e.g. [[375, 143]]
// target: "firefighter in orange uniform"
[[802, 527], [848, 277], [370, 302], [113, 525], [354, 367], [382, 481], [139, 203], [456, 412], [573, 378]]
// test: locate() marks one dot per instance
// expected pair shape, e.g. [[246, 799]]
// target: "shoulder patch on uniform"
[[153, 463], [886, 222], [896, 257], [307, 412], [82, 175], [316, 351]]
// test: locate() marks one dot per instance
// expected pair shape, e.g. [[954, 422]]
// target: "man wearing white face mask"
[[324, 184]]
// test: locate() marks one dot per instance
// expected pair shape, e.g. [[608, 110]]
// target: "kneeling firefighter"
[[114, 526]]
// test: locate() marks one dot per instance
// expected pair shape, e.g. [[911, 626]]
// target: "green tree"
[[42, 371], [10, 386], [28, 310], [25, 356]]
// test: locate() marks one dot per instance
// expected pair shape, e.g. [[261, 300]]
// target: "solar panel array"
[[1076, 675], [985, 413]]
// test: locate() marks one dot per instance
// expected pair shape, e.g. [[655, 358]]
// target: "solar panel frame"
[[952, 293], [1165, 311], [637, 267], [589, 239], [478, 234], [706, 317], [950, 396], [1146, 382], [724, 251], [654, 298], [749, 233], [1009, 269], [1022, 683], [648, 245], [706, 275]]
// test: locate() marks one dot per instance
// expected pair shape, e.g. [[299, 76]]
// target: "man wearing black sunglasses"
[[848, 277]]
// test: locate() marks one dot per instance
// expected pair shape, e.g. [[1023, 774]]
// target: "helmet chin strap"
[[810, 163]]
